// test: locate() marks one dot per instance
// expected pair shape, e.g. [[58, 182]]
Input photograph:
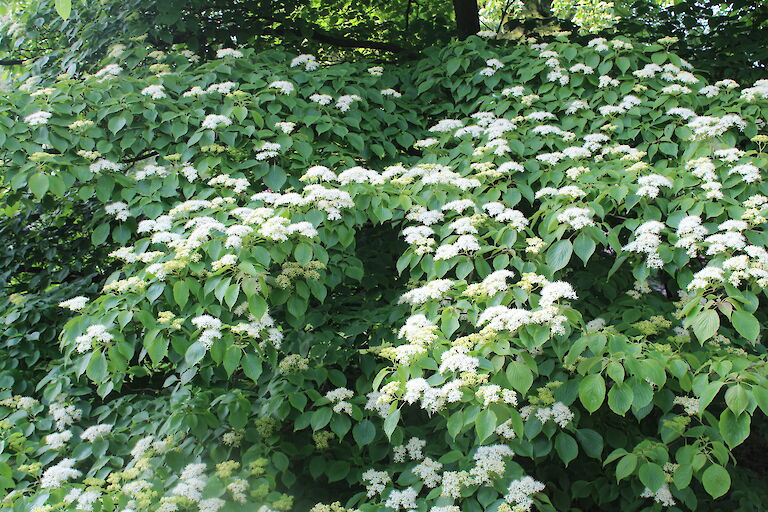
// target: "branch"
[[11, 62], [407, 17], [333, 39], [325, 37], [142, 156]]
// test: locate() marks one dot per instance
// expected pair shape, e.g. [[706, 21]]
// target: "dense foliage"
[[722, 38], [507, 275]]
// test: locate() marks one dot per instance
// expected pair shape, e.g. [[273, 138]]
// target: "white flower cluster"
[[492, 66], [344, 103], [647, 241], [690, 232], [283, 86], [96, 431], [758, 91], [156, 91], [58, 440], [104, 165], [704, 169], [494, 283], [74, 304], [214, 121], [492, 393], [576, 217], [435, 398], [520, 491], [405, 499], [650, 184], [662, 496], [109, 71], [433, 290], [706, 127], [308, 61], [557, 412], [97, 332], [338, 397], [191, 482], [376, 481], [427, 470], [413, 449], [37, 118], [64, 415], [118, 209], [490, 463], [83, 499], [228, 52], [211, 329], [690, 404], [419, 332], [56, 475]]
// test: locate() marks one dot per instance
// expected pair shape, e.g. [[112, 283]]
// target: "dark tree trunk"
[[467, 17]]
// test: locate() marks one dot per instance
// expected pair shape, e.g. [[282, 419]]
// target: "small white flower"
[[37, 118], [156, 92], [228, 52]]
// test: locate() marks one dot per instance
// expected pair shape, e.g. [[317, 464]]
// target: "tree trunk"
[[467, 17]]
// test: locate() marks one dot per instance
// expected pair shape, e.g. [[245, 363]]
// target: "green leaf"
[[116, 124], [620, 398], [566, 447], [716, 480], [276, 178], [682, 476], [652, 476], [364, 432], [746, 325], [320, 418], [485, 424], [584, 247], [559, 254], [452, 66], [230, 297], [708, 394], [303, 253], [734, 428], [520, 376], [63, 7], [626, 466], [591, 442], [251, 365], [194, 353], [303, 148], [180, 293], [622, 63], [391, 422], [97, 367], [592, 392], [337, 470], [455, 424], [100, 234], [232, 358], [340, 425], [737, 398], [257, 306], [38, 184], [761, 396], [157, 348], [668, 148], [705, 324]]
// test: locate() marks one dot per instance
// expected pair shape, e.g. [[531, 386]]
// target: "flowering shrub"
[[504, 277]]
